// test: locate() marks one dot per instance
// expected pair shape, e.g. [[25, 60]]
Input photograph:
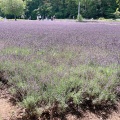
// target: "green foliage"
[[101, 18], [98, 8], [118, 2], [16, 51], [117, 13], [62, 8], [31, 107], [12, 7], [79, 18]]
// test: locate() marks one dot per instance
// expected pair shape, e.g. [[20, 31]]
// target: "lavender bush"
[[47, 62]]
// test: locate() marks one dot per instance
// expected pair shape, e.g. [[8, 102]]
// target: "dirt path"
[[8, 111]]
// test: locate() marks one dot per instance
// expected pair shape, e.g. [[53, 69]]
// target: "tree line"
[[60, 8]]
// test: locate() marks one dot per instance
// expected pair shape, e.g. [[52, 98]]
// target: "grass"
[[1, 19], [43, 79]]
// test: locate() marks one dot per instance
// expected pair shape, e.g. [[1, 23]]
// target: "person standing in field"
[[51, 18], [54, 17], [39, 17]]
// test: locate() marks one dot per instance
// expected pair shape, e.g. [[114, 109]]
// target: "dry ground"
[[8, 111]]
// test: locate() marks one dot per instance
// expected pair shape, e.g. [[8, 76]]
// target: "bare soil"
[[8, 110]]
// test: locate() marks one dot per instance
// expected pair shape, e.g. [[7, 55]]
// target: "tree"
[[118, 8], [45, 8], [68, 8], [118, 2], [71, 9], [12, 7], [98, 8], [31, 8]]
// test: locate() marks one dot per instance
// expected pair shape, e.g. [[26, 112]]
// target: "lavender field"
[[98, 41], [64, 64]]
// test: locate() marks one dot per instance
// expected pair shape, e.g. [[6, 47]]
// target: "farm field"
[[61, 69]]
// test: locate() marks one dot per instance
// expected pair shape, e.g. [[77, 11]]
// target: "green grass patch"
[[16, 51]]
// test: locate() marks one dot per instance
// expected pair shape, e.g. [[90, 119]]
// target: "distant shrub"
[[101, 18], [117, 14], [80, 18]]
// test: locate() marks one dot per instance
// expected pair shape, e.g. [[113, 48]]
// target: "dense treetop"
[[12, 7], [69, 8]]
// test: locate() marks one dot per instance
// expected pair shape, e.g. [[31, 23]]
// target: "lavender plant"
[[46, 62]]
